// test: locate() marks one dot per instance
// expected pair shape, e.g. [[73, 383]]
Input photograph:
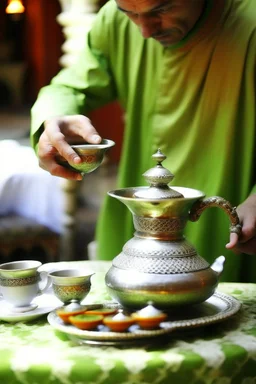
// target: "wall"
[[43, 37], [37, 40]]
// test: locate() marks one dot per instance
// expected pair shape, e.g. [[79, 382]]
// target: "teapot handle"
[[216, 201]]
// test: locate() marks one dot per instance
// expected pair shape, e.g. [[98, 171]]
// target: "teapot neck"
[[166, 229]]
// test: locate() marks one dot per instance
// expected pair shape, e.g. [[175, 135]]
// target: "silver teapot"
[[159, 264]]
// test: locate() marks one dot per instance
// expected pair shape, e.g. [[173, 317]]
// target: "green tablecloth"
[[222, 353]]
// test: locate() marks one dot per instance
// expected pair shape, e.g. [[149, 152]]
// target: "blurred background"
[[43, 217]]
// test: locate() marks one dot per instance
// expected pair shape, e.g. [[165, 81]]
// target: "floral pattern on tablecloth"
[[223, 353]]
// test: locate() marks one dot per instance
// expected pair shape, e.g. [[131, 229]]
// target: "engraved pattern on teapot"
[[153, 225], [162, 265]]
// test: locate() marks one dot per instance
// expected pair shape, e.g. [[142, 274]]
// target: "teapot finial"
[[159, 156], [158, 177]]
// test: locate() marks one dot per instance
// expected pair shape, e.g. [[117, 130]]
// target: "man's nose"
[[147, 25]]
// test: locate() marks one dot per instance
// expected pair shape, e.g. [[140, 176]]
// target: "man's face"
[[167, 21]]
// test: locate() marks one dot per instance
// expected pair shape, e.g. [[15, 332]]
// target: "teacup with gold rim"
[[21, 283]]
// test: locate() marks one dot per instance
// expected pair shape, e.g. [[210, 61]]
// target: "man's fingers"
[[49, 158], [248, 231], [81, 126], [49, 148], [233, 240], [245, 243], [54, 147], [51, 165], [249, 247], [60, 171]]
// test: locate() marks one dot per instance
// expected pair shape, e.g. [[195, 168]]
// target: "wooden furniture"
[[23, 238], [30, 206]]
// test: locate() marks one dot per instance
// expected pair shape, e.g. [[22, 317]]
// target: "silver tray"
[[217, 308]]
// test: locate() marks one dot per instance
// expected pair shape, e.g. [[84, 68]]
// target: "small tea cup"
[[70, 284], [92, 156], [21, 283]]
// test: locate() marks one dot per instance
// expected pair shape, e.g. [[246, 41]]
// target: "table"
[[223, 353]]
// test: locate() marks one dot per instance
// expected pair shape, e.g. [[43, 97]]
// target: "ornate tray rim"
[[232, 306]]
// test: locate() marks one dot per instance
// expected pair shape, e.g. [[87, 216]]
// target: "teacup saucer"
[[42, 305], [23, 309]]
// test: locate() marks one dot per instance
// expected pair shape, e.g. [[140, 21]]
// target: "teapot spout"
[[218, 265]]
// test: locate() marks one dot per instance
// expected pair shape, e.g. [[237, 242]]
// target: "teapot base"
[[133, 289]]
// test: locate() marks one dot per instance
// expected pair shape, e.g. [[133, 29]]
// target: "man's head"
[[167, 21]]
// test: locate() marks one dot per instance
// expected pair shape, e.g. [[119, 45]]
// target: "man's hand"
[[246, 242], [59, 133]]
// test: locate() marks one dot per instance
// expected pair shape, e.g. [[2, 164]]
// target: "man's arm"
[[58, 116], [79, 89]]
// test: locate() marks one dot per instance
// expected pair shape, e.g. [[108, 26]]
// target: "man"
[[184, 71]]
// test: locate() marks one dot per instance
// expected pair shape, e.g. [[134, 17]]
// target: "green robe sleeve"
[[80, 88]]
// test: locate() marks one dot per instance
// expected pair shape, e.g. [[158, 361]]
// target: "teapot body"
[[167, 273], [159, 264]]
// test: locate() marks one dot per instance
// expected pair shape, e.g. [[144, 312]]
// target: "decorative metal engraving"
[[69, 292], [158, 264], [217, 201], [167, 249], [156, 225]]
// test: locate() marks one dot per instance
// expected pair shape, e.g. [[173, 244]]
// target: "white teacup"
[[21, 283]]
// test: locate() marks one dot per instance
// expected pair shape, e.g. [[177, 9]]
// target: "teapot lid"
[[158, 177]]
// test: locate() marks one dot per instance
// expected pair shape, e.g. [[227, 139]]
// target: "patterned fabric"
[[223, 353]]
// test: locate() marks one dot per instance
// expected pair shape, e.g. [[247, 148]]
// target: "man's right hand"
[[246, 241], [59, 133]]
